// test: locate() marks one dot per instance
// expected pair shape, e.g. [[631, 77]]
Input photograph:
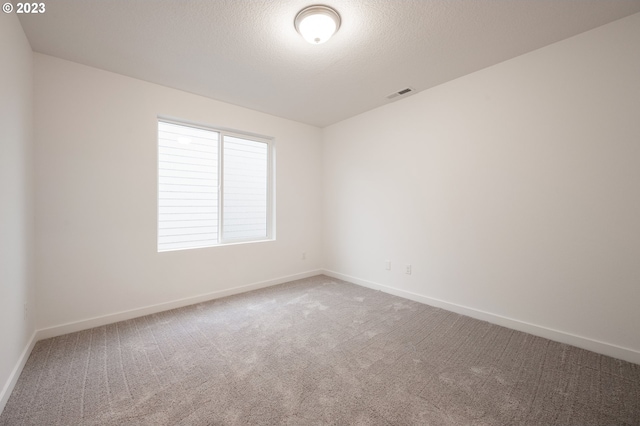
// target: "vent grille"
[[402, 92]]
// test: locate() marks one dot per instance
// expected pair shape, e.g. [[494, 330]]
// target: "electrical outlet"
[[304, 255], [387, 265], [407, 269]]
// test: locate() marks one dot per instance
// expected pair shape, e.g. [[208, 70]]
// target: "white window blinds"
[[187, 187], [245, 189], [213, 187]]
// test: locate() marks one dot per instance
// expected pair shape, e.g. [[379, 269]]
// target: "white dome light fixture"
[[316, 24]]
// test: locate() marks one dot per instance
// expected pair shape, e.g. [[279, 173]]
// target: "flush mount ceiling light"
[[317, 23]]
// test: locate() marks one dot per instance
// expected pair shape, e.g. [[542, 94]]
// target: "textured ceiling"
[[247, 52]]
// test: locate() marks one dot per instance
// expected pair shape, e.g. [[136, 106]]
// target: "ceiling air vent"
[[402, 92]]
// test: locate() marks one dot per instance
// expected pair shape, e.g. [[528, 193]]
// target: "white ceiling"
[[247, 52]]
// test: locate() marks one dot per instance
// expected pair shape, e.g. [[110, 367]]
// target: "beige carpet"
[[318, 351]]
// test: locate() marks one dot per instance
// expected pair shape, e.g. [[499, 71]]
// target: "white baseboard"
[[603, 348], [15, 373], [72, 327]]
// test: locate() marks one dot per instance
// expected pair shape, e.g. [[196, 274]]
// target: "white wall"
[[16, 206], [96, 168], [514, 191]]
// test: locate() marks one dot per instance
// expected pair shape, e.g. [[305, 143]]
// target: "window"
[[214, 187]]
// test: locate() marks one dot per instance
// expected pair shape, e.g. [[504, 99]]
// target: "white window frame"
[[222, 132]]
